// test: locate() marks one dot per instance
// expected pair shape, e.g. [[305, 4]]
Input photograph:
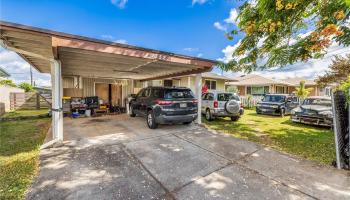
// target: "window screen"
[[168, 83], [257, 90], [211, 84]]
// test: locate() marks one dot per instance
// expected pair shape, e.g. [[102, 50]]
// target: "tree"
[[302, 92], [338, 71], [8, 83], [26, 87], [345, 86], [281, 32]]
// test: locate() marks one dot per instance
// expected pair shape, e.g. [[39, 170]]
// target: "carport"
[[62, 54]]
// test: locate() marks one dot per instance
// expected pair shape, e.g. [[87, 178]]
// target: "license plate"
[[264, 110], [183, 105]]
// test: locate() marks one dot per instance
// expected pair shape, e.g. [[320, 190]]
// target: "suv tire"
[[187, 123], [235, 118], [208, 115], [232, 106], [151, 120], [131, 110]]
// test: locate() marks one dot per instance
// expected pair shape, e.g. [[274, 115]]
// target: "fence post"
[[335, 129], [37, 101]]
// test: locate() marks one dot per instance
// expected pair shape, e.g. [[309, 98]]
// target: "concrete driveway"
[[118, 157]]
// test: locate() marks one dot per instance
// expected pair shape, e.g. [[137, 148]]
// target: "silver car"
[[221, 104]]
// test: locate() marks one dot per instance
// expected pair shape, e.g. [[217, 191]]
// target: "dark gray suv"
[[164, 105]]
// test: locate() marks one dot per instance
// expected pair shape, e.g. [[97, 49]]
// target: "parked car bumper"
[[312, 120], [174, 119], [269, 111]]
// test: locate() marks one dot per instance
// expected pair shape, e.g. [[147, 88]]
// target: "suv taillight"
[[216, 104], [162, 102], [195, 101], [242, 105]]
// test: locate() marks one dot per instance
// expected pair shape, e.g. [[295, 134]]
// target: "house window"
[[257, 90], [210, 84], [280, 90], [168, 83]]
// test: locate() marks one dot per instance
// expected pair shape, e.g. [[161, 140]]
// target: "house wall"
[[316, 91], [242, 90], [5, 95], [186, 81]]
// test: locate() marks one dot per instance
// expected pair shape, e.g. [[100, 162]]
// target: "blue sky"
[[190, 27]]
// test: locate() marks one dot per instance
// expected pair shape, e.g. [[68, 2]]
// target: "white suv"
[[221, 104]]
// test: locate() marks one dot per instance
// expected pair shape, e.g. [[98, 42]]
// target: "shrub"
[[26, 87], [8, 83]]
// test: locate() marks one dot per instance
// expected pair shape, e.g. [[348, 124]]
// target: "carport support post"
[[199, 97], [57, 113]]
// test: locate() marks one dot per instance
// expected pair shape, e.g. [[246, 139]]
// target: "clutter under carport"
[[89, 106]]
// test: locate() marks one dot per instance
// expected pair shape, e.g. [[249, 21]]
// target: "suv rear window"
[[178, 94], [274, 98], [227, 96]]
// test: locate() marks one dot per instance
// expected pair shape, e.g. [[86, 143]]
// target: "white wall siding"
[[5, 95]]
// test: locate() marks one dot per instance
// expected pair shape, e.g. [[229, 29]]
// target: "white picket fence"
[[250, 101]]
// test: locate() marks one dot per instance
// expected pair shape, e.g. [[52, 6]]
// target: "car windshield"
[[274, 98], [319, 102], [178, 94], [227, 96]]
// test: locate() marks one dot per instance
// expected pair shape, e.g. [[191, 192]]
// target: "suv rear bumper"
[[217, 112], [268, 111], [166, 119]]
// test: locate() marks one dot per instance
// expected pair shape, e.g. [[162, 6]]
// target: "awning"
[[89, 57]]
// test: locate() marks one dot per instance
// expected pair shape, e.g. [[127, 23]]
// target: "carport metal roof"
[[90, 57]]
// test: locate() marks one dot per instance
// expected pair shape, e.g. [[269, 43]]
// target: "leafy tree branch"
[[281, 32]]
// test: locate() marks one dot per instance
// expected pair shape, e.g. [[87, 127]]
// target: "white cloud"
[[220, 27], [190, 49], [200, 2], [119, 3], [113, 39], [121, 41], [20, 69], [233, 17], [199, 55], [310, 69], [228, 52], [107, 37]]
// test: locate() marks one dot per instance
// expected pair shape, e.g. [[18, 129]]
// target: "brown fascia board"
[[71, 36]]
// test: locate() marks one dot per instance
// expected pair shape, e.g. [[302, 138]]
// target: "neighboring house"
[[5, 92], [257, 85], [214, 82]]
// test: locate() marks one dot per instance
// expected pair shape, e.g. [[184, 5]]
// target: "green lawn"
[[19, 151], [310, 142], [25, 113]]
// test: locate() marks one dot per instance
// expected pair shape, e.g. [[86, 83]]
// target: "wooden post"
[[199, 97], [37, 101]]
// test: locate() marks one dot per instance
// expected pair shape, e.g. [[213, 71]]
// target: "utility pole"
[[31, 75]]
